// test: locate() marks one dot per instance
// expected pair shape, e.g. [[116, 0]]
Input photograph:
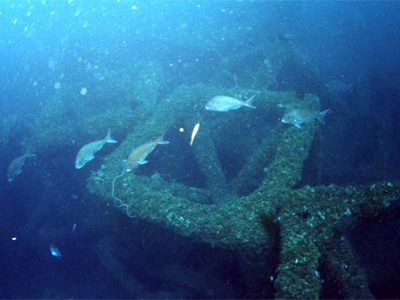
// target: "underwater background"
[[255, 207]]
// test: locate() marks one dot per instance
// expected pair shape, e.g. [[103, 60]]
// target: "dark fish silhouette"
[[16, 165]]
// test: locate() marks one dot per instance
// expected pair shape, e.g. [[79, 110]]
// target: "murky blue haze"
[[63, 63]]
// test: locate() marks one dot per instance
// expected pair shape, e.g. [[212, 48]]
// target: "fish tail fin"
[[108, 138], [249, 101], [322, 114], [161, 140]]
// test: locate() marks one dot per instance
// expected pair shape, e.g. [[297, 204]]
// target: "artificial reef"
[[261, 209]]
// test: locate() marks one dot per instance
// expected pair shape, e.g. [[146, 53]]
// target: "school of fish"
[[138, 155]]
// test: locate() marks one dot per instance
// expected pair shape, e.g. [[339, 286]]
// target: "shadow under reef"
[[302, 221]]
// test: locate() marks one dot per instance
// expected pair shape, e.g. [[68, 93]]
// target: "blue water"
[[66, 60]]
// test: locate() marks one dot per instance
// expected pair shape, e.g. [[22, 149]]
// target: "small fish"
[[225, 103], [87, 152], [300, 116], [194, 132], [55, 251], [289, 36], [138, 155], [16, 165]]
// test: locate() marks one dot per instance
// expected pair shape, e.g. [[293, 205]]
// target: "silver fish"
[[87, 152], [55, 251], [16, 165], [138, 155], [225, 103], [300, 116]]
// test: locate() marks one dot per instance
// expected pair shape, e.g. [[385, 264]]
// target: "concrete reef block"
[[232, 223]]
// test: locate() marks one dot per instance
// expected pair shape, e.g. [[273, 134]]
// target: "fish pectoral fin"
[[90, 157], [298, 125], [142, 162]]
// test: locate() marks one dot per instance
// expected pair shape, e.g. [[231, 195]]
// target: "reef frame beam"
[[307, 216]]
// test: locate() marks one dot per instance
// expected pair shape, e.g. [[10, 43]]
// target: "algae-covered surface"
[[252, 206], [307, 217]]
